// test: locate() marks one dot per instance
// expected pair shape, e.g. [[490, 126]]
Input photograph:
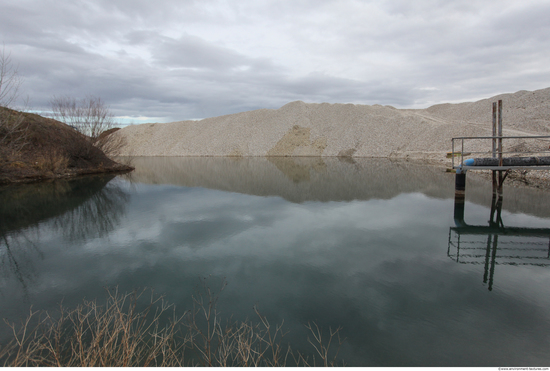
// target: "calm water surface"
[[368, 245]]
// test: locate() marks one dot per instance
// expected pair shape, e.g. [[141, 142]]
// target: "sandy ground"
[[310, 129]]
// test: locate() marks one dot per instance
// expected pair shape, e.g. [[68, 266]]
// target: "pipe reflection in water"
[[81, 208], [476, 244]]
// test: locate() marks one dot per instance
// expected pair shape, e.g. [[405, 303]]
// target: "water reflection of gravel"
[[361, 244]]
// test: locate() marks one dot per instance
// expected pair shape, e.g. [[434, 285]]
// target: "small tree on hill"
[[12, 132], [90, 117], [10, 82]]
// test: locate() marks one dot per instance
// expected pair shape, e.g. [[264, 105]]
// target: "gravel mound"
[[308, 129]]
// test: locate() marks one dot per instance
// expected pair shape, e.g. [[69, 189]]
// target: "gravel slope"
[[308, 129]]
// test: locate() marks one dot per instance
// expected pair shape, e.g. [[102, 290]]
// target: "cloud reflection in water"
[[360, 244]]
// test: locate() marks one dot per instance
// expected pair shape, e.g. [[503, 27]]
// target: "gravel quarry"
[[345, 130]]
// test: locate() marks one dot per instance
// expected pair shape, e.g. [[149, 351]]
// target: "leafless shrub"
[[53, 161], [323, 348], [10, 82], [119, 335], [90, 117], [13, 135], [113, 335], [234, 343]]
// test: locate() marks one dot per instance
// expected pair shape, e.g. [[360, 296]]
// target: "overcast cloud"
[[170, 60]]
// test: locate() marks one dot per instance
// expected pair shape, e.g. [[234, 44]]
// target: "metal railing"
[[497, 151], [509, 251]]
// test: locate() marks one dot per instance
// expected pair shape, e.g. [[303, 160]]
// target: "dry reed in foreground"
[[117, 334]]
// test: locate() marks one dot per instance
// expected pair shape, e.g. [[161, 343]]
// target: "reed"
[[118, 334]]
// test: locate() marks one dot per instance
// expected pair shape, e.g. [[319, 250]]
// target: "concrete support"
[[460, 181], [460, 197]]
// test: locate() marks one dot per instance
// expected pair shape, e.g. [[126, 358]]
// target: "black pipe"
[[509, 161]]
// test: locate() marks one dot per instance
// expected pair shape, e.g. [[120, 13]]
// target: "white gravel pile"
[[307, 129]]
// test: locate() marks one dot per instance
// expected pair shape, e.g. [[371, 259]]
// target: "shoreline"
[[18, 178], [539, 179]]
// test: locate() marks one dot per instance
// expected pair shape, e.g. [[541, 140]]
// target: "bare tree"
[[10, 82], [12, 132], [90, 117]]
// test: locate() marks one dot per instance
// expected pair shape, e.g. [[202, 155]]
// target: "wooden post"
[[494, 129], [493, 261], [453, 153], [500, 132], [500, 179], [494, 173], [488, 260]]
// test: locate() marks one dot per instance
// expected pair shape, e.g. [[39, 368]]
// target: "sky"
[[171, 60]]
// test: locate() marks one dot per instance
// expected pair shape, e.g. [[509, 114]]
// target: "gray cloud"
[[192, 52], [175, 60]]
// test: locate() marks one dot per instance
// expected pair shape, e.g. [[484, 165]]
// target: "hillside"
[[44, 148], [308, 129]]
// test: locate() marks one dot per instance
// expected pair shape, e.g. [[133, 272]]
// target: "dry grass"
[[13, 134], [113, 335], [117, 334], [52, 160]]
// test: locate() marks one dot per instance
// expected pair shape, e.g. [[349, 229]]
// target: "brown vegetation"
[[118, 334], [34, 148], [92, 118]]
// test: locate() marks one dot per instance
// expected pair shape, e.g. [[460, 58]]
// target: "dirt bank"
[[42, 148]]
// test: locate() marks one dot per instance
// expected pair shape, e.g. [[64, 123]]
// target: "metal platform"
[[533, 145], [497, 152]]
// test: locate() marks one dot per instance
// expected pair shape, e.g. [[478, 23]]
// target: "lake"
[[368, 245]]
